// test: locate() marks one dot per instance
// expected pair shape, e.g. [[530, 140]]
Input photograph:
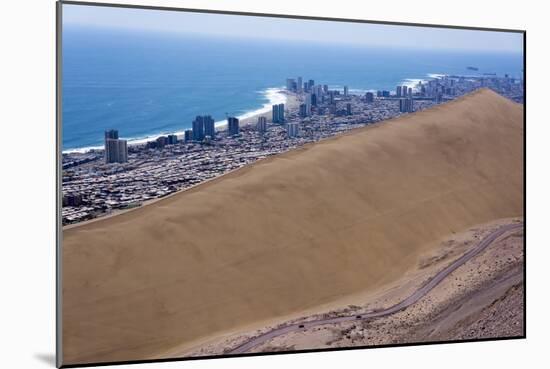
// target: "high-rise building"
[[345, 90], [303, 110], [409, 92], [111, 147], [422, 90], [172, 139], [308, 104], [385, 93], [209, 126], [318, 91], [275, 114], [325, 89], [188, 135], [162, 141], [233, 126], [406, 105], [299, 84], [292, 130], [369, 97], [278, 113], [261, 126], [290, 84], [398, 91], [313, 99], [198, 128], [203, 126], [348, 109], [310, 84], [122, 151], [116, 150]]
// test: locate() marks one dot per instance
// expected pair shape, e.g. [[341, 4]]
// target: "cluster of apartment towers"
[[316, 92], [405, 95], [204, 129]]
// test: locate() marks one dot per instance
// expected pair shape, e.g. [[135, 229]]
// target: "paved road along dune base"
[[289, 233]]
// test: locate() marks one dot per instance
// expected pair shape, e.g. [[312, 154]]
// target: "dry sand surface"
[[481, 299], [292, 104], [289, 233]]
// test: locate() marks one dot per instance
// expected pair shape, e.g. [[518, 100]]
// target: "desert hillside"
[[290, 232]]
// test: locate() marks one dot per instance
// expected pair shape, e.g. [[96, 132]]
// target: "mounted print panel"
[[234, 184]]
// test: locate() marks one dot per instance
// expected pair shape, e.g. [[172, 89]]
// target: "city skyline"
[[120, 63], [312, 112]]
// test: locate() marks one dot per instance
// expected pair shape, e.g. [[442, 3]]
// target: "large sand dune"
[[291, 232]]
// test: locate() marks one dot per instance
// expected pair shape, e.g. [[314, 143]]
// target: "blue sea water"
[[148, 84]]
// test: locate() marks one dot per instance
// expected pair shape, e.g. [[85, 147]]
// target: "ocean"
[[147, 84]]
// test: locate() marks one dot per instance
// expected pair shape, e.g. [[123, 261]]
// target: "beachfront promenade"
[[92, 188]]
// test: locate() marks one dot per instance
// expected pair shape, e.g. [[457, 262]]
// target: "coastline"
[[250, 120], [291, 103], [275, 95], [293, 98], [207, 182]]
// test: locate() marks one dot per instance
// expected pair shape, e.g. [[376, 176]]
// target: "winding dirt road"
[[417, 295]]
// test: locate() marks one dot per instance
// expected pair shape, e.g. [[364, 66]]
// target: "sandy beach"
[[292, 103], [290, 234]]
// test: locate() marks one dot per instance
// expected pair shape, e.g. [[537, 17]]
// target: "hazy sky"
[[291, 29]]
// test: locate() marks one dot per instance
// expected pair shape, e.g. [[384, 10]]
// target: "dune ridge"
[[290, 232]]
